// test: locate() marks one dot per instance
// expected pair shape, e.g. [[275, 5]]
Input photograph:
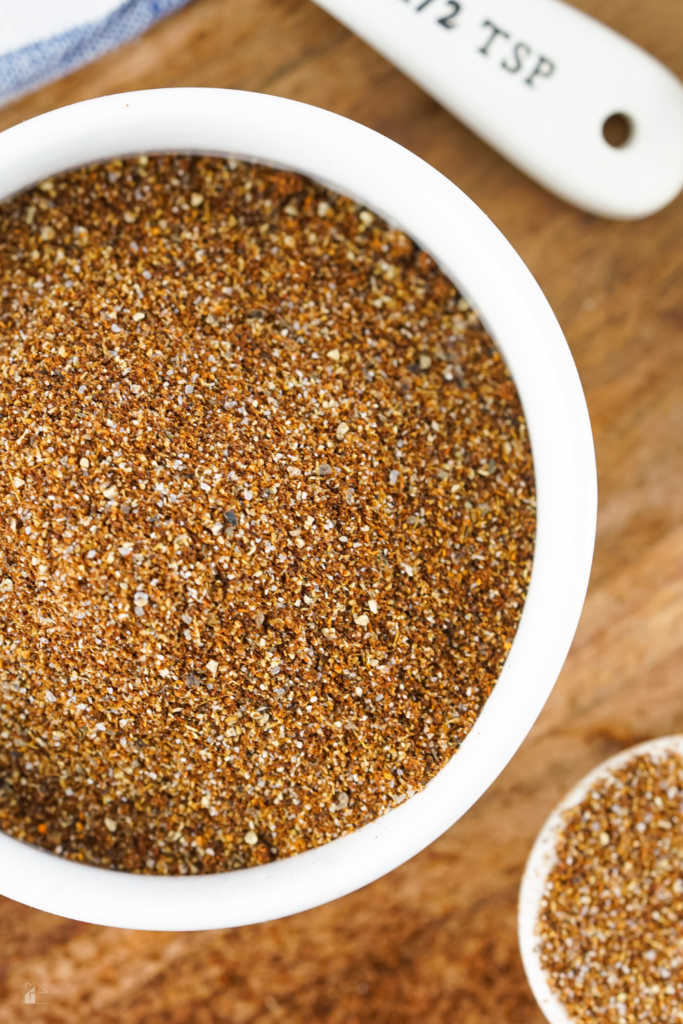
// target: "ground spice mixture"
[[266, 515], [611, 924]]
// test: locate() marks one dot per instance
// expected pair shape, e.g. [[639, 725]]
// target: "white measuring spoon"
[[539, 80], [543, 858]]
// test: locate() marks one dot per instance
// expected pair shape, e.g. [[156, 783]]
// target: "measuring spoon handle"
[[539, 80]]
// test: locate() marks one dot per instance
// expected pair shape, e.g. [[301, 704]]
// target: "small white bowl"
[[410, 194], [543, 858]]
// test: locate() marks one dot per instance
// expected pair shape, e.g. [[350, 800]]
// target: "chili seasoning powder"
[[610, 923], [266, 509]]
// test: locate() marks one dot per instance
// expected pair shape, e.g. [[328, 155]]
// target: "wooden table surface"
[[435, 941]]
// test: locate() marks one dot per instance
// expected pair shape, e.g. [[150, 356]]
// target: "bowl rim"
[[542, 859], [410, 194]]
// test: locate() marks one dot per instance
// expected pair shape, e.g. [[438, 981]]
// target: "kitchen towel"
[[41, 40]]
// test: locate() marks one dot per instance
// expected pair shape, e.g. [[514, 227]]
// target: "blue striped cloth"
[[41, 40]]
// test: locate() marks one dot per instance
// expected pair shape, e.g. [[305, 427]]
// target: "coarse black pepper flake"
[[258, 574]]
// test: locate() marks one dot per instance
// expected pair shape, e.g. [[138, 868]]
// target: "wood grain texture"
[[435, 941]]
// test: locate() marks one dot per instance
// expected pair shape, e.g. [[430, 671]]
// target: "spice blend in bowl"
[[609, 931], [267, 515]]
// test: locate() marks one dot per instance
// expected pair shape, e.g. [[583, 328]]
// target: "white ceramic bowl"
[[410, 194], [543, 858]]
